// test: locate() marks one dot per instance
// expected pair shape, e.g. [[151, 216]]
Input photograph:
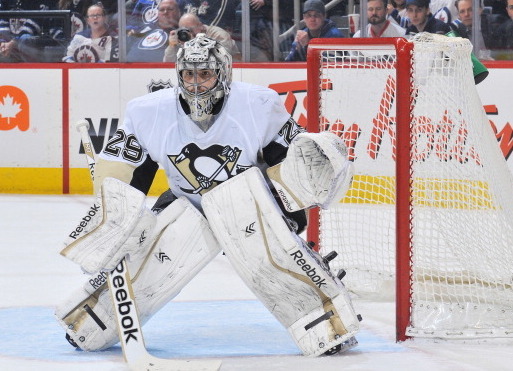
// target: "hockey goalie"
[[241, 175]]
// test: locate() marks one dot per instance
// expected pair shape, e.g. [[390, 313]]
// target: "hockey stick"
[[123, 298], [83, 127]]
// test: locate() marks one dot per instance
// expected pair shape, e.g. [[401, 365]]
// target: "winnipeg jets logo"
[[250, 229], [206, 168], [86, 54], [150, 14], [77, 24], [154, 40]]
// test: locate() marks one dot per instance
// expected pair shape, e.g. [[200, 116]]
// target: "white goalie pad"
[[181, 245], [278, 266], [316, 172], [117, 225]]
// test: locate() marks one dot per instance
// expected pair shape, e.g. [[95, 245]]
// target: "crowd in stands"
[[88, 32]]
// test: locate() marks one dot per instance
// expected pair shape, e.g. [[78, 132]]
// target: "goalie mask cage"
[[428, 218]]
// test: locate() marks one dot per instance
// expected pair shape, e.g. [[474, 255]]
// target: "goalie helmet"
[[203, 53]]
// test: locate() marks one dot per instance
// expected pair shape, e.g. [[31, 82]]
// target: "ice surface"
[[215, 316]]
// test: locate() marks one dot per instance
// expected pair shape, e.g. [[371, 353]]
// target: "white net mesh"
[[462, 190]]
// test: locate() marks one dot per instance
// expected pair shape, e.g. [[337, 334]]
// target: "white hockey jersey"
[[155, 125], [84, 49]]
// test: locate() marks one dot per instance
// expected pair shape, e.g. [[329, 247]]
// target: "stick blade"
[[161, 364]]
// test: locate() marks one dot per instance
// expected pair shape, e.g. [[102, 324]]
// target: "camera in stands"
[[184, 34]]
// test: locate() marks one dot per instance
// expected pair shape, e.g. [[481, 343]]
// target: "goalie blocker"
[[278, 266]]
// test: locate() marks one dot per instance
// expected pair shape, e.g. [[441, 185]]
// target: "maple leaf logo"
[[14, 108], [9, 108]]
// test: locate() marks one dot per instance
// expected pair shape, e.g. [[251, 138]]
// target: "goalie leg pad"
[[116, 225], [180, 246], [278, 266], [316, 172]]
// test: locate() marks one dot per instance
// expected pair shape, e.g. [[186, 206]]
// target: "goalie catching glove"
[[316, 172]]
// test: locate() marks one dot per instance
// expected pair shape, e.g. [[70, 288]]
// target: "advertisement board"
[[41, 150], [30, 130]]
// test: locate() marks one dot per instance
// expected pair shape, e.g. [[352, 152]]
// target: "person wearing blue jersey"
[[149, 43], [317, 25], [421, 19]]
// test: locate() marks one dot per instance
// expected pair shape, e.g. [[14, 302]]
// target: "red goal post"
[[427, 220]]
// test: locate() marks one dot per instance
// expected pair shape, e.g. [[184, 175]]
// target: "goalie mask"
[[204, 69]]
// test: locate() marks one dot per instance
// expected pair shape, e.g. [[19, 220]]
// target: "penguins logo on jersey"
[[206, 168]]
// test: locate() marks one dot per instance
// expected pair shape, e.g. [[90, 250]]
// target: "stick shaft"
[[88, 149], [135, 347]]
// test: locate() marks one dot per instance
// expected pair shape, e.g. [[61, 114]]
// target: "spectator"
[[379, 25], [190, 26], [463, 28], [12, 32], [23, 39], [397, 11], [421, 19], [504, 32], [141, 13], [261, 28], [79, 8], [149, 44], [97, 43], [314, 16], [78, 13], [260, 31], [219, 13], [444, 10], [498, 7]]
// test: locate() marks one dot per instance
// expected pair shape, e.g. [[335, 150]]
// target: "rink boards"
[[39, 105]]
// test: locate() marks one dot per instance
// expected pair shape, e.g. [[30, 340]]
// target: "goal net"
[[428, 220]]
